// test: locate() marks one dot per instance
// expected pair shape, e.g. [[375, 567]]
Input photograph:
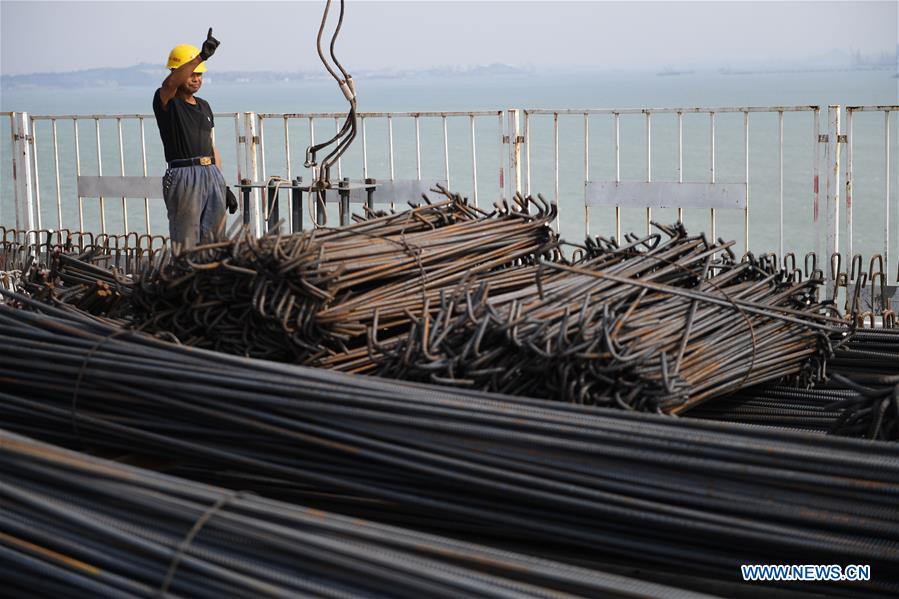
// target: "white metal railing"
[[888, 163], [284, 128], [462, 149], [389, 118], [77, 147], [647, 114]]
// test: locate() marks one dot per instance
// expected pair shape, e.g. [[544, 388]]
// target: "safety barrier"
[[28, 166], [492, 154], [851, 112]]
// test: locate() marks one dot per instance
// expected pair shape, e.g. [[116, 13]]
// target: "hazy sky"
[[63, 36]]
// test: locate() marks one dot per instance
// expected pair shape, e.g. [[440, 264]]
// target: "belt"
[[199, 160]]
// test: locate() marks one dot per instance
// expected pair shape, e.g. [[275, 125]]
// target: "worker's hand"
[[209, 46], [230, 200]]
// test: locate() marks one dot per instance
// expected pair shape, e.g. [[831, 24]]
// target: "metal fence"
[[710, 195], [889, 164], [71, 179], [454, 156], [596, 174]]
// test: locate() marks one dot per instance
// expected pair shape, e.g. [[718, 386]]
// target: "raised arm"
[[179, 76]]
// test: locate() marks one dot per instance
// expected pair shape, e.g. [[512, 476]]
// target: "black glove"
[[230, 200], [209, 46]]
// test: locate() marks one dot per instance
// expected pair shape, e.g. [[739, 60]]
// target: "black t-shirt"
[[186, 129]]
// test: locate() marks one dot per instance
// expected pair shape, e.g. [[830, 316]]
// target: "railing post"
[[23, 183], [251, 142], [514, 139], [832, 202], [296, 205], [848, 184], [503, 140], [343, 190], [886, 195], [271, 206]]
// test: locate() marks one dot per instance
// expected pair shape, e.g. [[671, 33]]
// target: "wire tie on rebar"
[[74, 409], [185, 543]]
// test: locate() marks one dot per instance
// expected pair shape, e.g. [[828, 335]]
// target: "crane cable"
[[347, 133]]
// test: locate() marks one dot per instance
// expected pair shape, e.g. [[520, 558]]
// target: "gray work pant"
[[195, 200]]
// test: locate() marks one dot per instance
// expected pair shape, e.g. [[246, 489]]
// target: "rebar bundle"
[[306, 296], [74, 525], [777, 405], [868, 363], [840, 408], [78, 281], [659, 325], [67, 268], [26, 250], [868, 355], [448, 294], [549, 478], [429, 286], [873, 411], [857, 395]]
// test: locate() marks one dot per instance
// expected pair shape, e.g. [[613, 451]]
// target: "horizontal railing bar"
[[476, 113], [697, 110], [331, 115], [873, 108], [49, 117]]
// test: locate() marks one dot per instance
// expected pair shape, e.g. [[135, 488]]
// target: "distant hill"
[[137, 75], [144, 75]]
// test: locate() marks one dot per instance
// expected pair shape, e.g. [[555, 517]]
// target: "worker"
[[193, 187]]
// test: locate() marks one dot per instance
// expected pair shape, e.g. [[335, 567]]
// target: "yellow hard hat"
[[182, 54]]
